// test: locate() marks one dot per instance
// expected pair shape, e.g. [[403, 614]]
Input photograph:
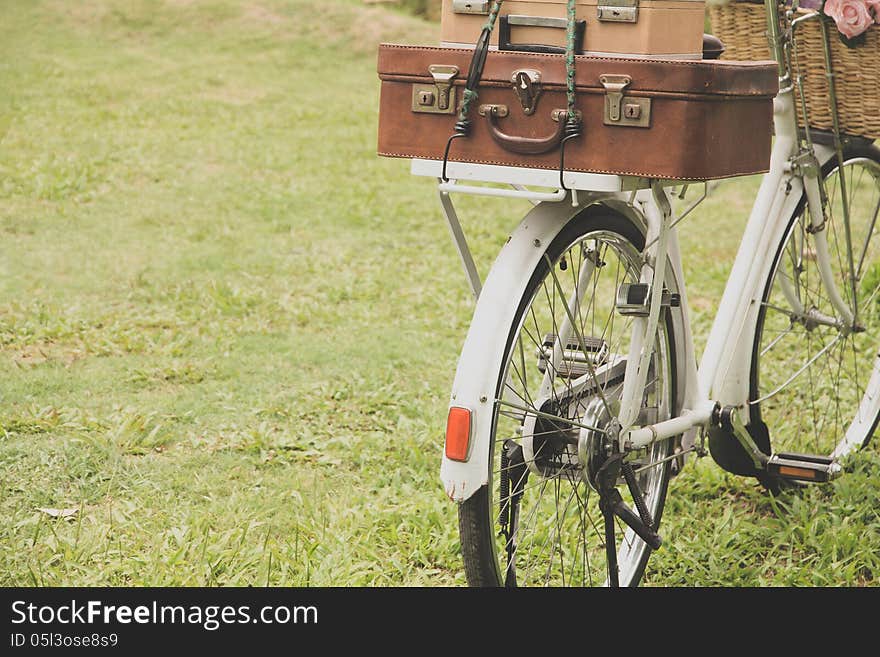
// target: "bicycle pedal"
[[634, 299], [574, 359], [803, 467]]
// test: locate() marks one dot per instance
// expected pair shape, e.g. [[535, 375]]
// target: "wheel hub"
[[595, 445]]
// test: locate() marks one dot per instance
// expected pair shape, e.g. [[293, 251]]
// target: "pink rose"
[[874, 7], [851, 16]]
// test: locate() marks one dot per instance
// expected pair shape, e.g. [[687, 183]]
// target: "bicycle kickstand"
[[611, 504]]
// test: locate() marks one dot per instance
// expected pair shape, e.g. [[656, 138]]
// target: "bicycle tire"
[[486, 558], [780, 413]]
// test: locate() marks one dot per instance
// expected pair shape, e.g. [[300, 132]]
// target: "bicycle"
[[577, 394]]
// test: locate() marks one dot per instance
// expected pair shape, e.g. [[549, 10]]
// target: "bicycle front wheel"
[[815, 386], [538, 520]]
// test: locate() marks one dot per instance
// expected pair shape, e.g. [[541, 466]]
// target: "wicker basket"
[[742, 27]]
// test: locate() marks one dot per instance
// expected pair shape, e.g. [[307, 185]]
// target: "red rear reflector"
[[801, 473], [458, 433]]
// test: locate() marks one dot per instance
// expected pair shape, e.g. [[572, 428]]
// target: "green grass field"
[[228, 330]]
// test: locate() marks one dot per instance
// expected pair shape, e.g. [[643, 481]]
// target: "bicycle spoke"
[[859, 390], [781, 335], [798, 373], [547, 416], [583, 344], [868, 237]]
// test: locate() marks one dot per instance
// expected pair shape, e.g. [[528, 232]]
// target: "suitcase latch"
[[624, 110], [618, 11], [437, 98], [470, 7], [614, 86], [527, 87]]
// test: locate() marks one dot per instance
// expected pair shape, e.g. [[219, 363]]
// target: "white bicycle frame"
[[722, 378]]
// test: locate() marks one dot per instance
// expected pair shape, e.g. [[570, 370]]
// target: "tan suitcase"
[[684, 120], [672, 29]]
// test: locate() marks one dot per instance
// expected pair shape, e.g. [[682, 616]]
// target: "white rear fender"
[[481, 360]]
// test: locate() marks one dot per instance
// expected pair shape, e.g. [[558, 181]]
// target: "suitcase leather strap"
[[475, 72]]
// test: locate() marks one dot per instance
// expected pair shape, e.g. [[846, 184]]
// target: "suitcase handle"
[[523, 145], [538, 21]]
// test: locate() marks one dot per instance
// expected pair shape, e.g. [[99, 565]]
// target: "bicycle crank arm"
[[728, 419]]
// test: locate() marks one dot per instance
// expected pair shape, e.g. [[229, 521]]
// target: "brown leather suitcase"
[[682, 120]]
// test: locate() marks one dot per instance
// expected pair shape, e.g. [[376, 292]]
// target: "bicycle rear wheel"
[[538, 520], [815, 385]]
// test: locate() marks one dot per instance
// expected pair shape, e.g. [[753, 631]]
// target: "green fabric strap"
[[569, 58], [493, 15], [470, 95]]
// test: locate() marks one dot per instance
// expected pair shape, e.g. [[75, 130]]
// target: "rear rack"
[[521, 178]]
